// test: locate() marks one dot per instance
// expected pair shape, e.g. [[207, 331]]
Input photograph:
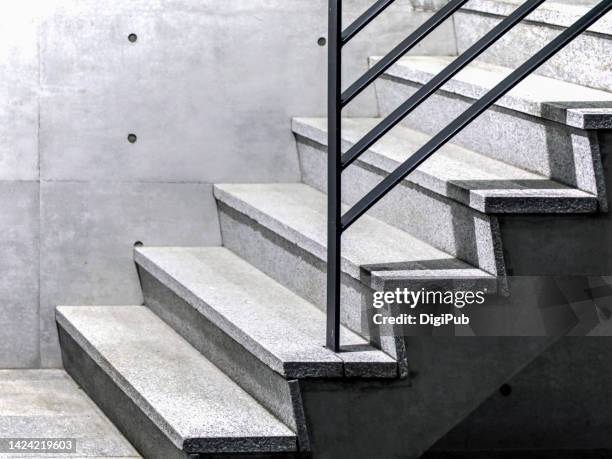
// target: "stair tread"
[[476, 180], [283, 330], [560, 13], [298, 213], [540, 96], [195, 404]]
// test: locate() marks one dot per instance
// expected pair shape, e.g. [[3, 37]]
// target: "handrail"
[[338, 223]]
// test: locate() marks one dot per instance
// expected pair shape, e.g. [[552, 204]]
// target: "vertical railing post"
[[334, 171]]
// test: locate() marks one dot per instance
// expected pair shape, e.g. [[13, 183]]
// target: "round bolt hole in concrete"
[[132, 37], [321, 41], [505, 390], [132, 138]]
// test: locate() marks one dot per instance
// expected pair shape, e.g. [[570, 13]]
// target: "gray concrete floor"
[[49, 404]]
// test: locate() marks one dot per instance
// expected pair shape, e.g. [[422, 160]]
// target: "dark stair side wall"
[[562, 401]]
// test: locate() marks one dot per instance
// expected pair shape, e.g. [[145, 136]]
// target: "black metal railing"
[[337, 100]]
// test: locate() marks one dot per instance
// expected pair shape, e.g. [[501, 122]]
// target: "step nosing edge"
[[241, 445]]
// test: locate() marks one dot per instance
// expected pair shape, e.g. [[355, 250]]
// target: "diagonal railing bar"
[[380, 190], [363, 20], [396, 53], [437, 82]]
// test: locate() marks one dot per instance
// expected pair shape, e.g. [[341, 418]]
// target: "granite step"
[[297, 213], [442, 222], [281, 229], [168, 399], [545, 126], [582, 62], [275, 325], [540, 96], [475, 180]]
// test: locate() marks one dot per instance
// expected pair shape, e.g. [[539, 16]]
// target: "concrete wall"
[[208, 87]]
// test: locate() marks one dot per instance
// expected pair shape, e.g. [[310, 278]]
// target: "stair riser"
[[119, 407], [441, 222], [300, 271], [582, 61], [262, 383], [568, 155]]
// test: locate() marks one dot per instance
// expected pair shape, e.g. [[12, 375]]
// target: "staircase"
[[226, 358]]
